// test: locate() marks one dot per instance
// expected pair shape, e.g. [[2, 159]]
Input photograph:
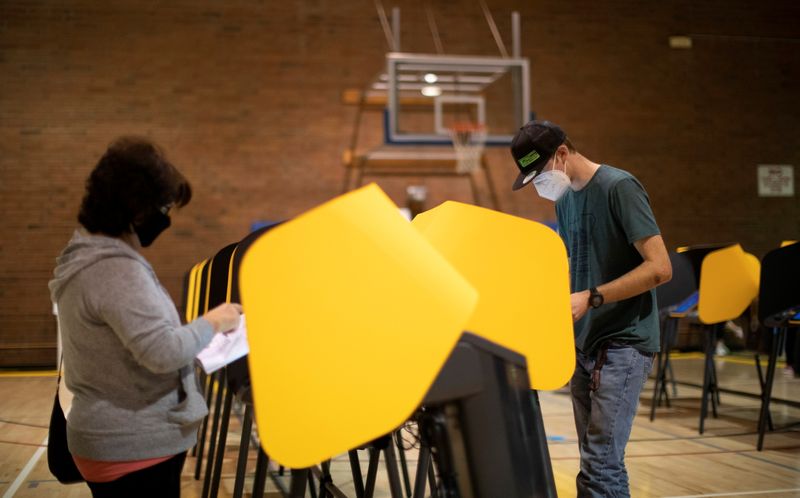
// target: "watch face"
[[596, 300]]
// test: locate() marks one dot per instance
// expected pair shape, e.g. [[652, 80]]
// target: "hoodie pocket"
[[192, 408]]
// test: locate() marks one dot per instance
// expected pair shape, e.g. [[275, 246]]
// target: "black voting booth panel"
[[483, 425], [682, 285], [232, 380], [480, 426], [217, 271], [669, 296], [238, 373], [779, 293], [778, 303]]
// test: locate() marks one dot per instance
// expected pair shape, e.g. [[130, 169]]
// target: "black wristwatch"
[[595, 298]]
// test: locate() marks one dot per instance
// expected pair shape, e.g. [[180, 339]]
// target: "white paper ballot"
[[224, 349]]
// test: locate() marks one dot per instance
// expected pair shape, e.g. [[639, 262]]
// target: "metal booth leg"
[[777, 339], [244, 447]]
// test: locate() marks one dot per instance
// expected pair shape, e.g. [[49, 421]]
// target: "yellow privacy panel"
[[351, 313], [521, 272], [198, 272], [728, 284], [788, 243], [189, 311]]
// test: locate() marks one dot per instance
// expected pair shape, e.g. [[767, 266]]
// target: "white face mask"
[[551, 185]]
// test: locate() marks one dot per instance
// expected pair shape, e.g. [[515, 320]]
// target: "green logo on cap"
[[529, 158]]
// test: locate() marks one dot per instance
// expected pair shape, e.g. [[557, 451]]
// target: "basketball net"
[[469, 140]]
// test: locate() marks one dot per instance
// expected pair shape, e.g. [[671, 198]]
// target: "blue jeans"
[[604, 417]]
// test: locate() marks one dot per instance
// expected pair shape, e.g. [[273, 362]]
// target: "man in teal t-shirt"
[[617, 258]]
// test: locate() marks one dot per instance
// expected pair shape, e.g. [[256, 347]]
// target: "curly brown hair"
[[131, 180]]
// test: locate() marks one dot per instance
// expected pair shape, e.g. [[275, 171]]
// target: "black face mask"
[[151, 227]]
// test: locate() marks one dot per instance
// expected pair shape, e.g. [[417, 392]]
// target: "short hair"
[[131, 180], [569, 145]]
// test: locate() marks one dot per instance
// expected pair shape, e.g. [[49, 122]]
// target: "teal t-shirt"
[[599, 225]]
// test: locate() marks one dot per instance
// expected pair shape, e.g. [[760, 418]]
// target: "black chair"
[[778, 304]]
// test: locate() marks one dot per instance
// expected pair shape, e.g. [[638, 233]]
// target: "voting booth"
[[778, 309], [675, 300], [333, 296]]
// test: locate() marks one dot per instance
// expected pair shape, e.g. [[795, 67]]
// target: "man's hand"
[[580, 304]]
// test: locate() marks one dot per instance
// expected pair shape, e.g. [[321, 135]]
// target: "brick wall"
[[245, 98]]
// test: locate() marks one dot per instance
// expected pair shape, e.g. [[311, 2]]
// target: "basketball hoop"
[[468, 141]]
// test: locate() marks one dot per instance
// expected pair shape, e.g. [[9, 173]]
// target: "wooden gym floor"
[[665, 458]]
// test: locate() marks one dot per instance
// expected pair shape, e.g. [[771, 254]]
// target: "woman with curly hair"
[[137, 403]]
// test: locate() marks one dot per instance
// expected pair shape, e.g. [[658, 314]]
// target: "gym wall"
[[245, 97]]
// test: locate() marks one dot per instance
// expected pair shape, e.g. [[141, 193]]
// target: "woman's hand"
[[224, 317]]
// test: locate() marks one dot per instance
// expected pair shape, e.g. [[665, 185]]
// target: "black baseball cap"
[[532, 147]]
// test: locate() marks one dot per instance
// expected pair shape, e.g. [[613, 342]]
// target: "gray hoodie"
[[127, 359]]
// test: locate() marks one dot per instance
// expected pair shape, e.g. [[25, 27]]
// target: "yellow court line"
[[29, 373], [728, 359], [686, 356]]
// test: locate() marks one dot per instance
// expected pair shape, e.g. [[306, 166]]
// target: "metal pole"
[[395, 29], [493, 28], [384, 24], [437, 40], [516, 46]]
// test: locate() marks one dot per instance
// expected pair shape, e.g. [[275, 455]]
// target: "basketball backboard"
[[427, 94]]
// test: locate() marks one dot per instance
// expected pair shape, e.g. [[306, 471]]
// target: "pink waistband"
[[98, 471]]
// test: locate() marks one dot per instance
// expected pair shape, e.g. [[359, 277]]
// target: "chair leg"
[[672, 335], [297, 487], [714, 389], [763, 384], [432, 481], [202, 377], [708, 365], [355, 467], [260, 479], [391, 468], [223, 437], [201, 440], [212, 442], [656, 389], [244, 447], [372, 472], [398, 438], [420, 480], [777, 336], [672, 377]]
